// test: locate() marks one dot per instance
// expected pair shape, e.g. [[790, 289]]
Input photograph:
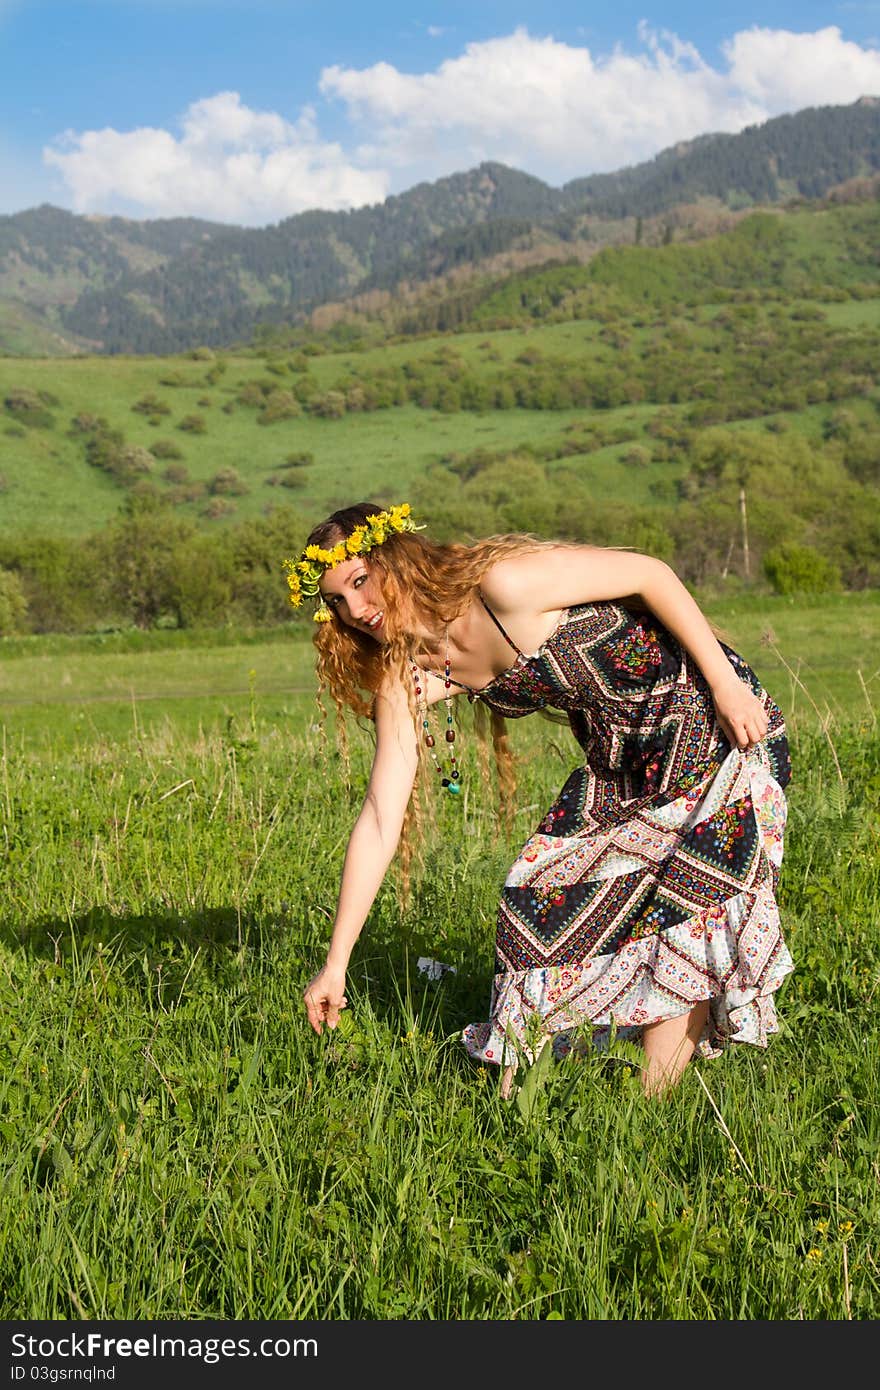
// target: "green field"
[[178, 1144]]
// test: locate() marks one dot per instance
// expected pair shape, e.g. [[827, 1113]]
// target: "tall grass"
[[178, 1144]]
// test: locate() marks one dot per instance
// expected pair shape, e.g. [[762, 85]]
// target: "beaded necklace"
[[452, 780]]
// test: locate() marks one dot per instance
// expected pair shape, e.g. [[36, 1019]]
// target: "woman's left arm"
[[560, 577]]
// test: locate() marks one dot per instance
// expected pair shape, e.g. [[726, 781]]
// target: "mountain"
[[114, 285]]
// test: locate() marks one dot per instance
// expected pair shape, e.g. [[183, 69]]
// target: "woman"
[[646, 896]]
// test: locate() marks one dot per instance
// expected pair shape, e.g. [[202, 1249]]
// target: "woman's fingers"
[[322, 1008]]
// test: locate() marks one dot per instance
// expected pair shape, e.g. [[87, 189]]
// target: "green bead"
[[453, 788]]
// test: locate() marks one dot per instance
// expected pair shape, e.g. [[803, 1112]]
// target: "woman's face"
[[352, 591]]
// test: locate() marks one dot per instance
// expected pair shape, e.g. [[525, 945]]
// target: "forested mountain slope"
[[114, 285]]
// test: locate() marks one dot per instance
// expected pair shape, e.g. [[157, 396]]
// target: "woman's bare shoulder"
[[518, 580]]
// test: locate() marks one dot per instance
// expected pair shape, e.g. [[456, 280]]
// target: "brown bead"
[[450, 735], [429, 740]]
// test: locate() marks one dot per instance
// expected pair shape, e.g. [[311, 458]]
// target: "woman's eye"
[[361, 579]]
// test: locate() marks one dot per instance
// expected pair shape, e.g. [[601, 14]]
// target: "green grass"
[[178, 1144], [50, 489]]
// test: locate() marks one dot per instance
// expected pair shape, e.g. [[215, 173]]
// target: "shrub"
[[798, 569], [30, 407], [251, 394], [637, 456], [176, 473], [151, 405], [218, 507], [86, 423], [166, 449], [13, 604], [133, 462], [279, 405], [330, 405], [228, 483], [192, 424]]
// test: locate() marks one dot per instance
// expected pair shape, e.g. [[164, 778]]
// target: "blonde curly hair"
[[434, 583]]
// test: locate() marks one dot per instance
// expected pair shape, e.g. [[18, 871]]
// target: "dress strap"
[[509, 640]]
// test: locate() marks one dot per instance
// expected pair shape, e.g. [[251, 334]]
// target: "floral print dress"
[[650, 883]]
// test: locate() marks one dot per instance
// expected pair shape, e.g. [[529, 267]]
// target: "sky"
[[248, 111]]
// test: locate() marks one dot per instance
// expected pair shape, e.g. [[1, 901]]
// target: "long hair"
[[421, 580]]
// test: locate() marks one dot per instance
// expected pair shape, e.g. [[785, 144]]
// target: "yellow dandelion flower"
[[814, 1255]]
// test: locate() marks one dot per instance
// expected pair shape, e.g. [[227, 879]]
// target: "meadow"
[[178, 1144]]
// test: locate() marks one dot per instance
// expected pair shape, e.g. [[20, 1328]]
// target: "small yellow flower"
[[312, 552], [846, 1227], [822, 1227], [814, 1255]]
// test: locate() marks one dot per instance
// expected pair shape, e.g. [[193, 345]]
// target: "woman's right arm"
[[371, 848]]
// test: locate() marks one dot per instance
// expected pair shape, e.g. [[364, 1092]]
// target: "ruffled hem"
[[732, 954]]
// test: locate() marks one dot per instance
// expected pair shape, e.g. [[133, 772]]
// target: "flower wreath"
[[303, 575]]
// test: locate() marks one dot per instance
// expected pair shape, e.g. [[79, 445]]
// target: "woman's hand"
[[324, 997], [740, 713]]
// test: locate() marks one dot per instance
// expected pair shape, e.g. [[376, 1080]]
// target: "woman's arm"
[[558, 577], [371, 847]]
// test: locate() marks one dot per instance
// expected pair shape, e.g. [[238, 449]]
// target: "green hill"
[[117, 286], [627, 401]]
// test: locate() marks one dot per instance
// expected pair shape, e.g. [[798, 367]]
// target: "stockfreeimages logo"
[[94, 1346]]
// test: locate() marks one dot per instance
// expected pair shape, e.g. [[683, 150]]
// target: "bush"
[[218, 507], [176, 473], [13, 604], [798, 569], [30, 407], [151, 405], [279, 405], [637, 456], [228, 483], [134, 461], [166, 449], [193, 424], [330, 405]]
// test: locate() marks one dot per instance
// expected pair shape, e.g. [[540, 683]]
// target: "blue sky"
[[246, 111]]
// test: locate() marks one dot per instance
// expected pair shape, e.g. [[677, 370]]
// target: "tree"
[[13, 604]]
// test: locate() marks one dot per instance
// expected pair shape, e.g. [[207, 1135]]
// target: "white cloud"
[[785, 71], [555, 109], [559, 111], [229, 163]]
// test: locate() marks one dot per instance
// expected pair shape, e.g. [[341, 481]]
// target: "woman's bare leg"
[[669, 1046], [507, 1082]]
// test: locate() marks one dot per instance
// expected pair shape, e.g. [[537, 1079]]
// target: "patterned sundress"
[[650, 883]]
